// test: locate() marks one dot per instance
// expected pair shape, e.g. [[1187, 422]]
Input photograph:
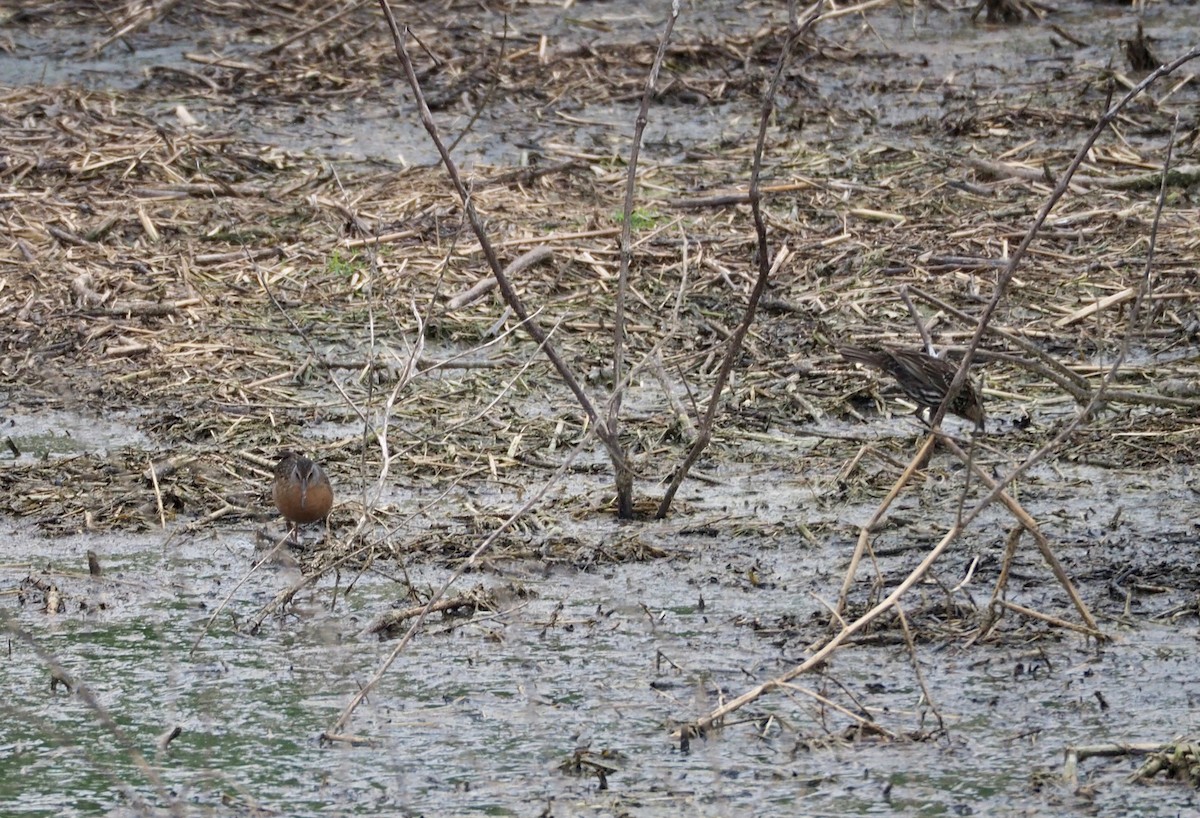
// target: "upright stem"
[[624, 474]]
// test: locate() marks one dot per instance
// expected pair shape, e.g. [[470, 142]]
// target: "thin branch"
[[998, 486], [611, 442], [624, 476], [864, 531], [1052, 369], [916, 317], [765, 269], [468, 563], [1060, 190], [85, 695]]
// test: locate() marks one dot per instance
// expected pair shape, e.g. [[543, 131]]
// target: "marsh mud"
[[225, 237]]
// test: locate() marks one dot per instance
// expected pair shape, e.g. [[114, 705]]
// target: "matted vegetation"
[[232, 298]]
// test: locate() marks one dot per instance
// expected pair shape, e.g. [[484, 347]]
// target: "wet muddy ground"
[[222, 241]]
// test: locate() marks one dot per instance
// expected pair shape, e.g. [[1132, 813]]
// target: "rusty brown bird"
[[924, 378], [301, 490]]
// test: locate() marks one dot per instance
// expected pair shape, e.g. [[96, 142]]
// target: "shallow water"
[[478, 713], [927, 59]]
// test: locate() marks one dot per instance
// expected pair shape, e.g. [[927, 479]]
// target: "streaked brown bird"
[[924, 378], [301, 490]]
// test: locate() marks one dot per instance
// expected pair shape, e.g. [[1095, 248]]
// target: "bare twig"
[[1052, 369], [1064, 182], [340, 725], [624, 475], [824, 652], [208, 623], [864, 531], [916, 317], [611, 442], [1030, 525], [488, 94], [765, 268], [126, 743], [916, 665], [486, 285]]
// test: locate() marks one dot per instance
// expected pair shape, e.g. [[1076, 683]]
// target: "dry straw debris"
[[210, 287]]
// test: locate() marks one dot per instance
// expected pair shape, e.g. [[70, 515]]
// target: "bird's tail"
[[858, 355]]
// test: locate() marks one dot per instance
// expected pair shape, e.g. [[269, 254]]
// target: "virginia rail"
[[301, 491]]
